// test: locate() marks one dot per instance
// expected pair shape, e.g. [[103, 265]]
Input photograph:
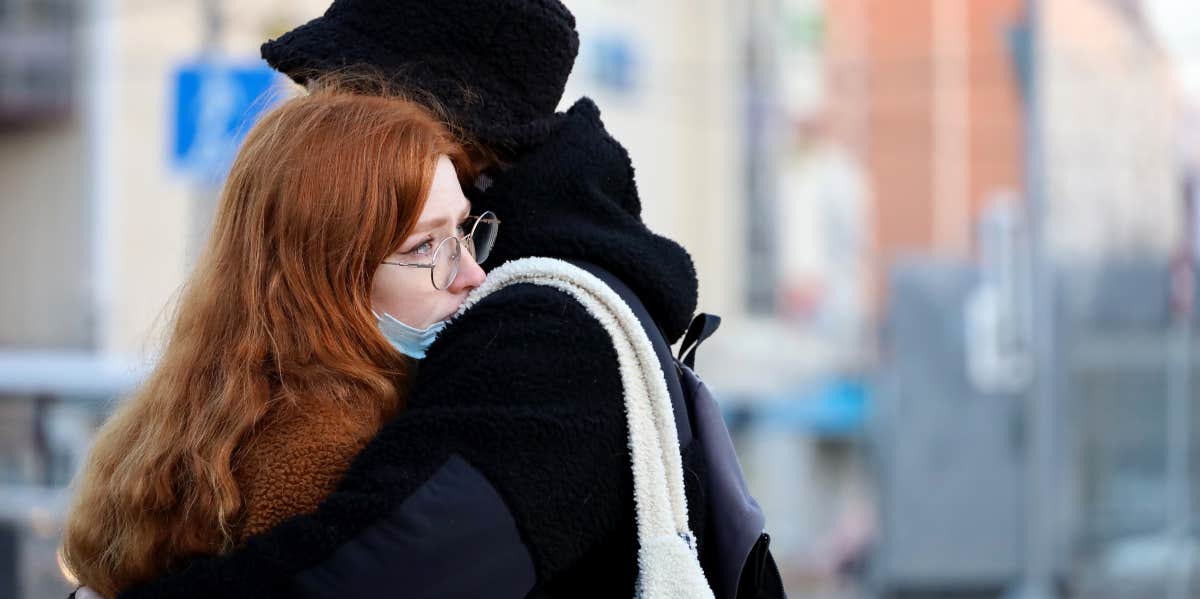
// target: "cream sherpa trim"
[[669, 567]]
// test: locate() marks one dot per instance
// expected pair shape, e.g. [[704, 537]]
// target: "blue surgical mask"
[[407, 340]]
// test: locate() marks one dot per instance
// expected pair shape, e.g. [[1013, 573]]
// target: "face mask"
[[407, 340]]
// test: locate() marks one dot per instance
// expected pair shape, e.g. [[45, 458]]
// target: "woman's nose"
[[469, 276]]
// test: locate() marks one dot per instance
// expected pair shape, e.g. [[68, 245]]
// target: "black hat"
[[498, 67]]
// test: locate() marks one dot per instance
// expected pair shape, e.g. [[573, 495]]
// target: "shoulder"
[[515, 432], [523, 342], [539, 309]]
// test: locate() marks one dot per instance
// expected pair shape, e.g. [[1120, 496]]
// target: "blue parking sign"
[[216, 103]]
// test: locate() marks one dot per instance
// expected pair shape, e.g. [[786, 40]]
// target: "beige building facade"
[[1111, 133], [679, 120]]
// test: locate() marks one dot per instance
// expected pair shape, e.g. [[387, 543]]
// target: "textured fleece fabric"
[[668, 562], [574, 197], [524, 386], [297, 460], [497, 67]]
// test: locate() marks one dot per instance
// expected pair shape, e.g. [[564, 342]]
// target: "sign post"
[[1179, 430]]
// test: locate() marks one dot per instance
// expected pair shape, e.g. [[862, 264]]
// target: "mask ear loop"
[[381, 318]]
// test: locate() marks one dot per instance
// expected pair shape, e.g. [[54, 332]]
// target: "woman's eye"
[[424, 249]]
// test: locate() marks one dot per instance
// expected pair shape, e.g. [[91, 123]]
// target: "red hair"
[[278, 310]]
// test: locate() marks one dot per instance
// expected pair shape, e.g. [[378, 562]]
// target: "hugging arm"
[[524, 402], [507, 473]]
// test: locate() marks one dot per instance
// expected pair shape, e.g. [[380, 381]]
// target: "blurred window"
[[37, 50]]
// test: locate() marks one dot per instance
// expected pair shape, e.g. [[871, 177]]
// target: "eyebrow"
[[438, 223]]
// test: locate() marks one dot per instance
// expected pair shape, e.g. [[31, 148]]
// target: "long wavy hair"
[[277, 313]]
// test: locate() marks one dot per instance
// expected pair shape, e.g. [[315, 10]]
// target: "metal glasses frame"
[[460, 242]]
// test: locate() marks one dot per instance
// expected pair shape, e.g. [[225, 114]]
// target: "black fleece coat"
[[508, 474]]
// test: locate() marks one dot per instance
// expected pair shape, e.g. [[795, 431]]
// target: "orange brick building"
[[923, 92]]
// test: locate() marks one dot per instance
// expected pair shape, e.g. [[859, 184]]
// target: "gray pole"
[[213, 26], [1178, 446], [204, 199], [760, 171], [100, 89], [1036, 580], [1179, 433]]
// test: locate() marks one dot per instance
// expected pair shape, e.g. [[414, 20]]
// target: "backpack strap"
[[737, 555], [668, 563], [702, 327]]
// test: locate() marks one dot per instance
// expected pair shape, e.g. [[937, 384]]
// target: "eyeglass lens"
[[445, 262], [483, 236]]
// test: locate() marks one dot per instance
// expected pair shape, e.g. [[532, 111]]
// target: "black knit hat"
[[498, 67]]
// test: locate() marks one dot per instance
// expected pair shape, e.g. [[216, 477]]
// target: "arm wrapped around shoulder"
[[513, 443]]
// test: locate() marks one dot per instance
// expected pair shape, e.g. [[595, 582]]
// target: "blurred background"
[[954, 243]]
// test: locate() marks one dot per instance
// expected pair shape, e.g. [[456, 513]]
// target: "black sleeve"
[[525, 389], [530, 382]]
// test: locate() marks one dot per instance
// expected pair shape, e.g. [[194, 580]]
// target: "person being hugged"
[[342, 244]]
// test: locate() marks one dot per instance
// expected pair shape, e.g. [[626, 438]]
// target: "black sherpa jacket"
[[508, 475]]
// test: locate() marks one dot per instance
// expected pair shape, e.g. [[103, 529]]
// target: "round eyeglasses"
[[444, 266]]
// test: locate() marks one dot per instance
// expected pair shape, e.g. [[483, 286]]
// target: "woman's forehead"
[[446, 198]]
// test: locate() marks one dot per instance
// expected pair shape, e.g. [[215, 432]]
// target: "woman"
[[336, 257]]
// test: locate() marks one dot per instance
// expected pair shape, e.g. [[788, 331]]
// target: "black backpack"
[[735, 551]]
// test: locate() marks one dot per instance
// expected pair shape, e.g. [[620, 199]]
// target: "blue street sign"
[[216, 102], [614, 62]]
